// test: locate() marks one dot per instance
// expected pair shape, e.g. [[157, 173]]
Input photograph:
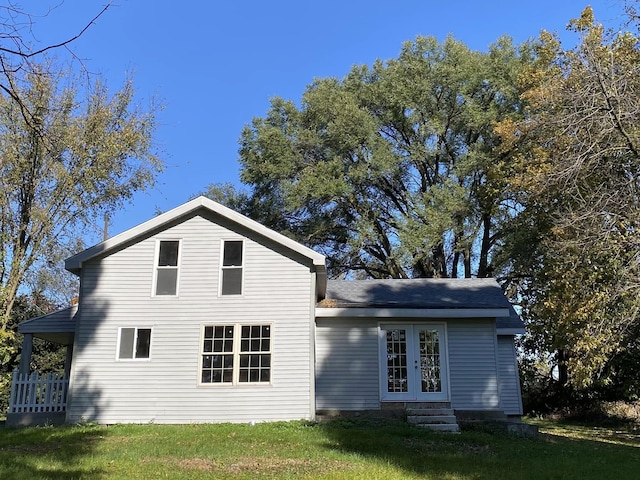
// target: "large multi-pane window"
[[235, 354], [231, 277], [166, 277], [134, 343]]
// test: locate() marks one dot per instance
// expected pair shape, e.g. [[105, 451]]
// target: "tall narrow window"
[[255, 354], [232, 268], [135, 343], [167, 267], [217, 354]]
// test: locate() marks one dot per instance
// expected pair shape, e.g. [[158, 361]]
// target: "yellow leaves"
[[585, 22]]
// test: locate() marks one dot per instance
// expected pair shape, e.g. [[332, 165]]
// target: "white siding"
[[510, 398], [347, 364], [117, 292], [472, 364]]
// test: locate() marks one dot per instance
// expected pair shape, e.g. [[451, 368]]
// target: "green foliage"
[[391, 171], [573, 252], [80, 152]]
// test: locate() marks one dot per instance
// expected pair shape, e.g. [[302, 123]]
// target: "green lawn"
[[337, 450]]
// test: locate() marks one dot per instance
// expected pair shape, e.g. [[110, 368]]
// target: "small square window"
[[135, 343]]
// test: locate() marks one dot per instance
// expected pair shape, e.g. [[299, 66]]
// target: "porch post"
[[25, 355], [67, 361]]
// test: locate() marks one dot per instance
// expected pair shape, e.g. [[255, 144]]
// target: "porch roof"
[[429, 297], [57, 327]]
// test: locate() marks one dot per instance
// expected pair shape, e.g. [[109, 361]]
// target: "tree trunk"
[[485, 246]]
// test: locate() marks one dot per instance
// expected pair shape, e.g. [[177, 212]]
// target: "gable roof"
[[74, 263], [424, 297]]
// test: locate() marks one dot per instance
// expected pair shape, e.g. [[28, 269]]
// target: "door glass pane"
[[430, 374], [397, 361]]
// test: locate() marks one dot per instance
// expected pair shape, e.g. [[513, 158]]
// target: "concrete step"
[[431, 419], [429, 411], [437, 416]]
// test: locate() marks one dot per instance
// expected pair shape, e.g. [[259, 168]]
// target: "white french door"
[[413, 362]]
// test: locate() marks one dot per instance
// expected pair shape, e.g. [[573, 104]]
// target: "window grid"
[[235, 354], [255, 354], [217, 354], [397, 361]]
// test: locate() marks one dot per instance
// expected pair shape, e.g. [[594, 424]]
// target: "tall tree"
[[576, 255], [79, 154], [392, 170], [21, 52]]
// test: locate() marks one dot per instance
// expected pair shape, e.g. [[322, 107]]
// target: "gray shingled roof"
[[428, 293], [58, 326], [417, 293]]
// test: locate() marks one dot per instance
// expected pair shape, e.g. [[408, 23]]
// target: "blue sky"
[[214, 65]]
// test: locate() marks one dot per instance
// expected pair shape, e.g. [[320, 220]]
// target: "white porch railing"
[[35, 393]]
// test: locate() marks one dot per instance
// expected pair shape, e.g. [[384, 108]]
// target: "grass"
[[337, 450]]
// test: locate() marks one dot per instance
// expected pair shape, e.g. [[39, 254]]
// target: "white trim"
[[412, 312], [312, 350]]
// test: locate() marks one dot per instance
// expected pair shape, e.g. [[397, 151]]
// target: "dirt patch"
[[440, 446], [200, 464]]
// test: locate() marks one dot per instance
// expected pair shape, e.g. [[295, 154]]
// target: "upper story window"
[[167, 267], [231, 278], [134, 343]]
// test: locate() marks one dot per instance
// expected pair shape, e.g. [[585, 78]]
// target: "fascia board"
[[411, 312]]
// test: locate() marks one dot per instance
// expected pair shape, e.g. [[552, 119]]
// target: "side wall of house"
[[347, 364], [117, 292], [510, 395], [473, 366]]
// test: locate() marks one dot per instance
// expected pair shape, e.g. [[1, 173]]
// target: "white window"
[[231, 276], [166, 272], [235, 354], [134, 343]]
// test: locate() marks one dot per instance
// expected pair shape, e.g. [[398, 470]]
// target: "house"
[[203, 315]]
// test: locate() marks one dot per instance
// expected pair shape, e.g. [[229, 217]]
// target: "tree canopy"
[[391, 171], [578, 149], [81, 153], [519, 162]]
